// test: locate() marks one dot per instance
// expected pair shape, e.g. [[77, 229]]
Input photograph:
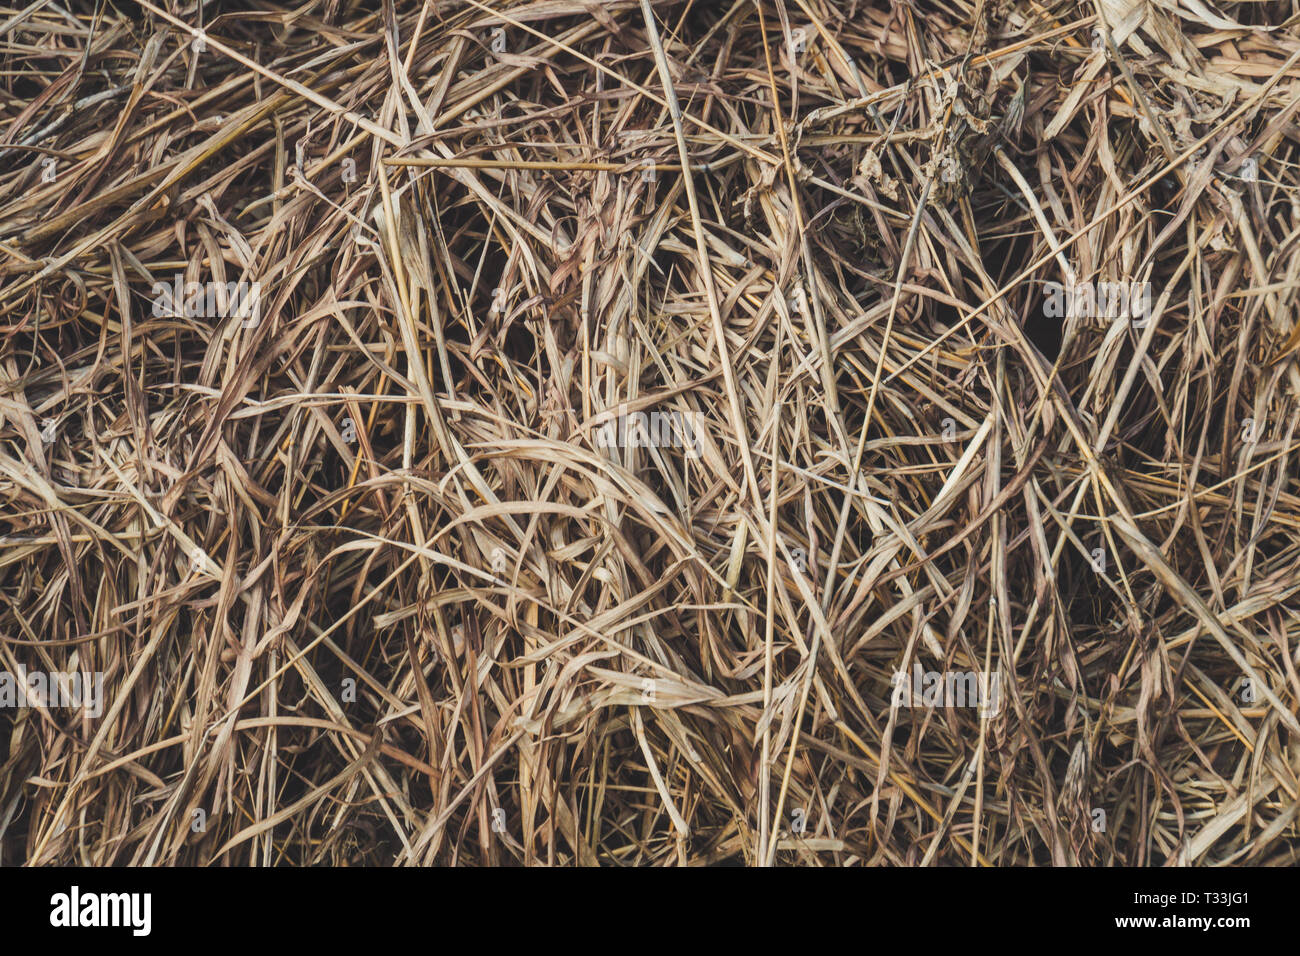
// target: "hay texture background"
[[366, 586]]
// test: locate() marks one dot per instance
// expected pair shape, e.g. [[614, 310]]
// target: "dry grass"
[[361, 578]]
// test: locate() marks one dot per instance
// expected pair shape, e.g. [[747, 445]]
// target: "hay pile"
[[367, 579]]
